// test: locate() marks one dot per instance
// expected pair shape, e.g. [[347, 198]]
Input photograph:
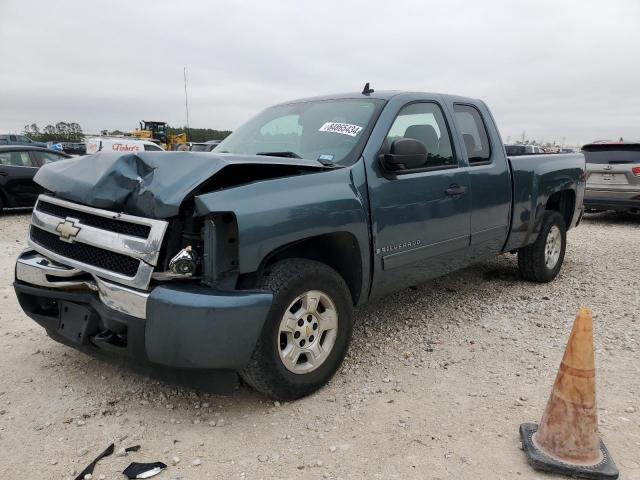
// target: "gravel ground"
[[437, 381]]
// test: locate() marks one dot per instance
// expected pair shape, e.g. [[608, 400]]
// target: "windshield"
[[324, 130]]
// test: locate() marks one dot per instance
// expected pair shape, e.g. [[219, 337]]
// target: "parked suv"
[[613, 181], [18, 165], [11, 139]]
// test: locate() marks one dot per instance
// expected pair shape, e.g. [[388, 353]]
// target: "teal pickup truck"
[[247, 261]]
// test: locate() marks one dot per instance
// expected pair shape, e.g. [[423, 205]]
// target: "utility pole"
[[186, 99]]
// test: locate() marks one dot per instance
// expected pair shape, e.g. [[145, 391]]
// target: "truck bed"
[[534, 179]]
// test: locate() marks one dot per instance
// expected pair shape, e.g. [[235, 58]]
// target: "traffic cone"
[[566, 441]]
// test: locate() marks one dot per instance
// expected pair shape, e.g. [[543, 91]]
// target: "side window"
[[424, 122], [12, 138], [48, 157], [474, 133], [152, 148], [15, 159]]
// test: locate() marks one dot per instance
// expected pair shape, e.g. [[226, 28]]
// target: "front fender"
[[274, 213]]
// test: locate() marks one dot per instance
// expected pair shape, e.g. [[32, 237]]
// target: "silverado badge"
[[68, 229]]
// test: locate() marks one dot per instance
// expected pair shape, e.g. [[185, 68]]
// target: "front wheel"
[[542, 260], [307, 331]]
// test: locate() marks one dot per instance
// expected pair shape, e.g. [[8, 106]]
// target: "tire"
[[535, 261], [289, 280]]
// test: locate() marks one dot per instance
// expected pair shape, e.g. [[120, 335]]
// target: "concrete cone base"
[[539, 460]]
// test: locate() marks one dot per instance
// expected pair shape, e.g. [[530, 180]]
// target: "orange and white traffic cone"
[[566, 441]]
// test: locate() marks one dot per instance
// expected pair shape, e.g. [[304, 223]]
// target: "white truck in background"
[[120, 144]]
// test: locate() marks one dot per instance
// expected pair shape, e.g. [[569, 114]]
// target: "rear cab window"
[[474, 133]]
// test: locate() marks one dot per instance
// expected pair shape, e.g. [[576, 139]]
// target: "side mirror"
[[405, 154]]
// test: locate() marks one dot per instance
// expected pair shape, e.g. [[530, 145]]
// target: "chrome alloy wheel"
[[553, 247], [307, 332]]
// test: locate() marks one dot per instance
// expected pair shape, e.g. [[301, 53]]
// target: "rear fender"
[[535, 180]]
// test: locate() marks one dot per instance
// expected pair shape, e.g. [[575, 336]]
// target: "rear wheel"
[[307, 331], [542, 260]]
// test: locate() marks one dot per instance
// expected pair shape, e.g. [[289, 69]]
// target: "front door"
[[16, 178], [420, 217]]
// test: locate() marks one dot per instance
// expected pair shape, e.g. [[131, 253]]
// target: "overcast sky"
[[551, 68]]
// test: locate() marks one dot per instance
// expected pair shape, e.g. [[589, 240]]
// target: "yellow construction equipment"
[[157, 131]]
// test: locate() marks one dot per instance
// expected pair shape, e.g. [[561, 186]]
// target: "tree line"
[[61, 132], [200, 134]]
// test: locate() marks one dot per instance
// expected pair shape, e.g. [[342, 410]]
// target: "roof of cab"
[[379, 95]]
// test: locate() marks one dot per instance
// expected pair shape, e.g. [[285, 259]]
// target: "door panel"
[[420, 231], [489, 178], [420, 219], [16, 178]]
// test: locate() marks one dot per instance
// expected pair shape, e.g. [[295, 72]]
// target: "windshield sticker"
[[343, 128], [326, 156]]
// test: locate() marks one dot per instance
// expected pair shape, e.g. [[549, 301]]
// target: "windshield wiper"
[[286, 154]]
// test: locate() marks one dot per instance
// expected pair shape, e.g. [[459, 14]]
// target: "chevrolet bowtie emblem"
[[68, 229]]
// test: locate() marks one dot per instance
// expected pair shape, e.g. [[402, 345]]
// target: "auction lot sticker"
[[343, 128]]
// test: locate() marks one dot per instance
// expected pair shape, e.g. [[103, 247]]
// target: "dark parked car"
[[11, 139], [516, 150], [18, 165], [74, 148], [205, 146]]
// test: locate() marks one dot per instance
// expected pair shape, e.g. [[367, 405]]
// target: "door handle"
[[455, 190], [4, 174]]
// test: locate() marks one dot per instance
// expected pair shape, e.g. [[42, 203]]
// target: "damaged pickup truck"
[[249, 260]]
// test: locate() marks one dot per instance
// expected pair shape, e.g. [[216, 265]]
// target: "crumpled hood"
[[149, 184]]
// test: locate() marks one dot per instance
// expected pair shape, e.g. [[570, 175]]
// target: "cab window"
[[474, 133], [152, 148], [424, 122]]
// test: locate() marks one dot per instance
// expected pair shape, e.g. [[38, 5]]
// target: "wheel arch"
[[563, 202], [338, 250]]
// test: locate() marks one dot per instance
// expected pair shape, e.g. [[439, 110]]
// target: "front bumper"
[[186, 328]]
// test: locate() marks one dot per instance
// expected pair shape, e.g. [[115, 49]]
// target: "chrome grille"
[[81, 252], [118, 247], [118, 226]]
